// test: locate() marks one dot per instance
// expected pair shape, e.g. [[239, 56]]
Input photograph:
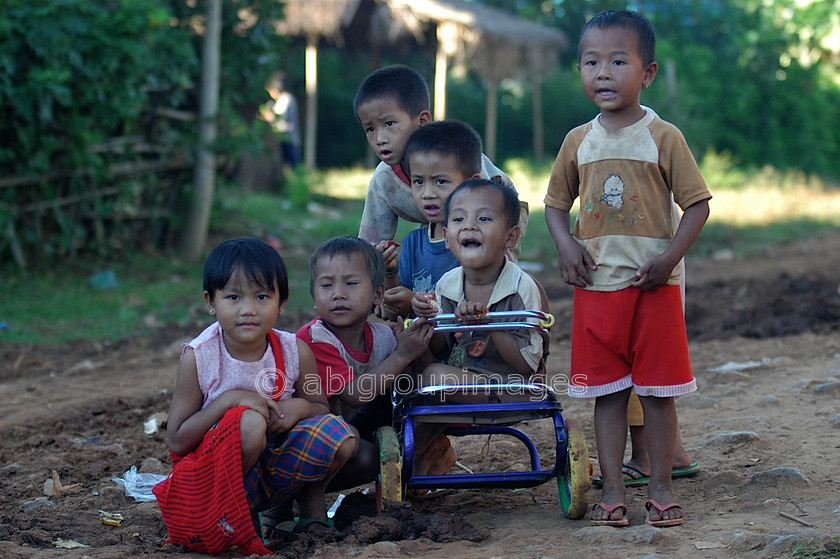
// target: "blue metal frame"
[[409, 413]]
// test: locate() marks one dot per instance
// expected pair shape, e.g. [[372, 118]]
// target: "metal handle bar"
[[529, 386], [442, 321]]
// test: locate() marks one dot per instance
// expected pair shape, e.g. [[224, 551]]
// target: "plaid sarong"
[[301, 455]]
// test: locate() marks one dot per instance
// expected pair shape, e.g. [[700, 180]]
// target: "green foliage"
[[81, 87], [77, 72]]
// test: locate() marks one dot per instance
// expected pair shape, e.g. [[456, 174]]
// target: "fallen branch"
[[790, 516]]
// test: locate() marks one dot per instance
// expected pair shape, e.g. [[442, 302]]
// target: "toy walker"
[[396, 444]]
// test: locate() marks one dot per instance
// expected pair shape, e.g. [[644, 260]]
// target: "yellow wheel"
[[573, 481], [548, 322], [389, 486]]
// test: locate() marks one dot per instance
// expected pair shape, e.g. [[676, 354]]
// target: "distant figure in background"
[[281, 112]]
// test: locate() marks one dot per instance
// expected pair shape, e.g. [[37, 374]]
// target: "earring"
[[212, 311]]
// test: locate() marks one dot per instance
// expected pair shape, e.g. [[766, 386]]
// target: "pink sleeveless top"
[[219, 372]]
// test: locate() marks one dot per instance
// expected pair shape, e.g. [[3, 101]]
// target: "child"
[[439, 157], [623, 256], [248, 425], [391, 103], [481, 222], [358, 360]]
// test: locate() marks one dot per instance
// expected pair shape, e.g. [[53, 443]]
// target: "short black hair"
[[448, 137], [630, 20], [252, 257], [348, 246], [401, 82], [510, 199]]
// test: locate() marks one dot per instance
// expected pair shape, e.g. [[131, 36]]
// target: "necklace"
[[499, 273], [480, 283]]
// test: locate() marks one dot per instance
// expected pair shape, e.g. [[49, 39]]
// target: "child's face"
[[477, 231], [246, 312], [387, 127], [613, 73], [343, 292], [434, 175]]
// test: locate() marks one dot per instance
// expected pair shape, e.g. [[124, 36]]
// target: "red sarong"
[[203, 501]]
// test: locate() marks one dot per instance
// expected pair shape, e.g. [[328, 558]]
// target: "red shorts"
[[630, 338]]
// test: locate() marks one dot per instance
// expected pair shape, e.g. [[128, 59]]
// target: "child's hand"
[[470, 310], [425, 304], [575, 262], [413, 340], [654, 273], [251, 400], [395, 302], [281, 417], [390, 254]]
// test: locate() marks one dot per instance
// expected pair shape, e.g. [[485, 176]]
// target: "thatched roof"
[[497, 42], [316, 18]]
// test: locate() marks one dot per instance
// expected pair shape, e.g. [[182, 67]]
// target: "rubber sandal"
[[635, 478], [686, 471], [302, 527], [661, 509], [426, 494], [284, 532], [624, 521]]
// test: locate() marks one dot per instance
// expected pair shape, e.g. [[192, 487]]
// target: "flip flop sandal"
[[302, 527], [624, 521], [686, 471], [635, 478], [425, 494], [283, 532], [662, 523]]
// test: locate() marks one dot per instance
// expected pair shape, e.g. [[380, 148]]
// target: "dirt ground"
[[764, 425]]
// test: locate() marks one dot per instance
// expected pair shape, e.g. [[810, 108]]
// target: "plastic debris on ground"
[[110, 518], [155, 422], [139, 485], [67, 544]]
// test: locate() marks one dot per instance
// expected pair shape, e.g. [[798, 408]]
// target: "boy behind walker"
[[623, 257], [248, 425], [391, 103], [439, 157]]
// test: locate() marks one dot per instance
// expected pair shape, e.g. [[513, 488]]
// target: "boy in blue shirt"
[[439, 157]]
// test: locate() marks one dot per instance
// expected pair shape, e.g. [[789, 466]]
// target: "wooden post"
[[490, 121], [441, 61], [195, 234], [311, 102], [537, 115]]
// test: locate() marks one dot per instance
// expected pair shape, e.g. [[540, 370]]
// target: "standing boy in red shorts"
[[624, 257]]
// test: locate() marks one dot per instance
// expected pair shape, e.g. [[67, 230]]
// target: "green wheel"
[[389, 486], [573, 481]]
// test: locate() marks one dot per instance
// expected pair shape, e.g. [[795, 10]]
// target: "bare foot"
[[437, 459]]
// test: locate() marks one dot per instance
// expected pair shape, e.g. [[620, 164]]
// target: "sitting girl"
[[248, 425]]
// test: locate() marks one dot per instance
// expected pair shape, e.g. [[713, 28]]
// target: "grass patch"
[[63, 302], [814, 550]]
